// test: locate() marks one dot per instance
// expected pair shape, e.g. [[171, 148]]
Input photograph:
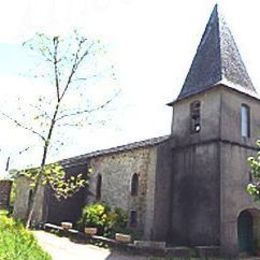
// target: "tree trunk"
[[31, 203]]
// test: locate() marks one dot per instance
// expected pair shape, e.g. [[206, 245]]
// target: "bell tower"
[[215, 124]]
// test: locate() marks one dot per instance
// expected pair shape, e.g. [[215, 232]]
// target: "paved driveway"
[[61, 248]]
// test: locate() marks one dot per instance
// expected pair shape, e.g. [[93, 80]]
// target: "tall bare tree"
[[70, 64]]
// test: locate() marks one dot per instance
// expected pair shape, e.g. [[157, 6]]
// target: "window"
[[98, 187], [133, 219], [250, 176], [30, 197], [134, 185], [195, 117], [245, 121]]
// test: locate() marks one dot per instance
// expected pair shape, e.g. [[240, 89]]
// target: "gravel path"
[[61, 248]]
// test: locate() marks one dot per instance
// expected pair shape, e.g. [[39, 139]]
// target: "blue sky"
[[151, 43]]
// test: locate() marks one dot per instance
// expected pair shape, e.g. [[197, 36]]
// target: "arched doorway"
[[245, 232]]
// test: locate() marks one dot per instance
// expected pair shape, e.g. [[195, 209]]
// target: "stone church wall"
[[163, 192], [117, 171], [231, 105], [235, 174], [195, 196], [234, 199], [22, 199], [195, 175], [210, 119]]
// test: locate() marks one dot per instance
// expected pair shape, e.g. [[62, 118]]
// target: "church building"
[[188, 188]]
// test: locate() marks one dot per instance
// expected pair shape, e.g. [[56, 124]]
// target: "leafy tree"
[[253, 188], [69, 64]]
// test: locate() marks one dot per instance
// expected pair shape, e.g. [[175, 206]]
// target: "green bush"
[[106, 220], [117, 222], [94, 215], [17, 242]]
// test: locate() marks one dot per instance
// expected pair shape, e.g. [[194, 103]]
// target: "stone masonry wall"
[[22, 199], [5, 191], [117, 171]]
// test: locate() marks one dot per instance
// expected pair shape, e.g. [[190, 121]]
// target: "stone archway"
[[248, 225]]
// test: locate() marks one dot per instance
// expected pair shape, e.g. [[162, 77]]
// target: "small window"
[[30, 197], [250, 176], [133, 219], [195, 117], [245, 121], [98, 188], [134, 185]]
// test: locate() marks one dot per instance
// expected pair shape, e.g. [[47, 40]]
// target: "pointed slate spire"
[[217, 61]]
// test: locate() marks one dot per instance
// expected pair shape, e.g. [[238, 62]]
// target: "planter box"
[[90, 231], [66, 225], [123, 238]]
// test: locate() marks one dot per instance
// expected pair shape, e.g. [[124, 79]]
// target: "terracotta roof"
[[217, 61], [131, 146]]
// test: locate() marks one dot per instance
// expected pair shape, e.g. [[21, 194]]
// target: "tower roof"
[[217, 61]]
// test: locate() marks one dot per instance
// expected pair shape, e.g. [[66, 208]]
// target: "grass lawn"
[[17, 243]]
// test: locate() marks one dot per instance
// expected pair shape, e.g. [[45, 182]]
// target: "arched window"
[[195, 116], [134, 185], [133, 219], [245, 120], [30, 197], [98, 187]]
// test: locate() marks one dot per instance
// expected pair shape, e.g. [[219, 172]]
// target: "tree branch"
[[69, 124], [42, 113], [84, 111], [16, 122], [76, 64], [45, 49], [55, 61]]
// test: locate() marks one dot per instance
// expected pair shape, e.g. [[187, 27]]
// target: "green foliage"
[[106, 220], [94, 215], [117, 223], [54, 175], [253, 188], [17, 242]]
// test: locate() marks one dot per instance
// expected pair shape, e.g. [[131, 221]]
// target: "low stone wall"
[[5, 191], [141, 248]]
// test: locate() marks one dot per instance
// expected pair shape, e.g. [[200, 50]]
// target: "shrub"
[[107, 221], [95, 215], [17, 242], [117, 222]]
